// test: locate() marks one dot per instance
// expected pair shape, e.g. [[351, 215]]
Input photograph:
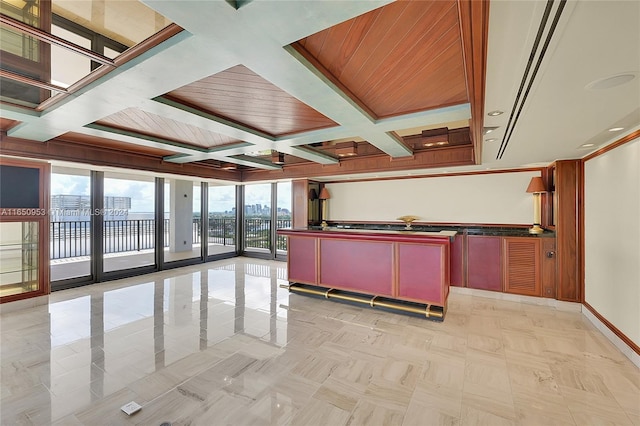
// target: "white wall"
[[497, 198], [612, 237]]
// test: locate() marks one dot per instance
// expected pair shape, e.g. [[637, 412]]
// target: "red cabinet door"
[[484, 270], [422, 272]]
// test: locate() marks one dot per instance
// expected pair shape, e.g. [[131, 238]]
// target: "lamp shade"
[[313, 195], [324, 194], [536, 185]]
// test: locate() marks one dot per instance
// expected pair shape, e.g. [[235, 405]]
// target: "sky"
[[221, 198]]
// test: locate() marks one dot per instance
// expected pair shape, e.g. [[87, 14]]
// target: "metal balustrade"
[[281, 240], [73, 238], [258, 233]]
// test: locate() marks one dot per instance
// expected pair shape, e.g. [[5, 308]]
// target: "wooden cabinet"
[[24, 229], [517, 265], [522, 265], [484, 264]]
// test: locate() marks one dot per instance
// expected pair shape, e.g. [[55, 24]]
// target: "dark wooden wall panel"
[[549, 267], [300, 196], [568, 191]]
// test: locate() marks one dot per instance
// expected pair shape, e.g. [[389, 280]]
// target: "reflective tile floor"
[[222, 344]]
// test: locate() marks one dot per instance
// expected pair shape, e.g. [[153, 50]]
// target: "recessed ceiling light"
[[616, 129], [495, 113], [611, 81], [491, 140], [587, 145], [488, 130]]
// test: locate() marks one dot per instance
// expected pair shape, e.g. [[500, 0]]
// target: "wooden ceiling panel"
[[6, 124], [112, 144], [136, 120], [240, 95], [401, 58]]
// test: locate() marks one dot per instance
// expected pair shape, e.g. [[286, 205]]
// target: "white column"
[[181, 216]]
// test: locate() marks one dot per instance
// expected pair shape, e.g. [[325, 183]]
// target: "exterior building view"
[[383, 212]]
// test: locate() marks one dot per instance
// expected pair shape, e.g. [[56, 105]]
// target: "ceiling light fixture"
[[277, 157], [616, 129], [228, 166], [587, 145], [488, 130], [346, 149], [491, 140], [611, 81], [495, 113]]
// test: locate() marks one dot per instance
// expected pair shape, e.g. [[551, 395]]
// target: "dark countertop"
[[498, 231], [396, 235]]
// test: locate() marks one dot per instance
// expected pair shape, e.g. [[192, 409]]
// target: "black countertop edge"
[[498, 231]]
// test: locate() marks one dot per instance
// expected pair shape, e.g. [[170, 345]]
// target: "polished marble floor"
[[222, 344]]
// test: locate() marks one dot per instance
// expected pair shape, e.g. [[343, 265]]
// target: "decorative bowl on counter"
[[407, 220]]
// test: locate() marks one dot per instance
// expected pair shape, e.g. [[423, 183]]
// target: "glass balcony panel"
[[221, 235], [70, 223], [257, 223], [129, 221]]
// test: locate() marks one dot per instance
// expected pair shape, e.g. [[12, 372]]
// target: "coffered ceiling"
[[398, 86]]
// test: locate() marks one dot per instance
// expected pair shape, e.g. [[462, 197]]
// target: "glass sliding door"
[[70, 223], [221, 208], [283, 215], [257, 218], [129, 221], [182, 220]]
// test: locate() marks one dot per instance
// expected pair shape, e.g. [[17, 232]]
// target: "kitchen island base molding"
[[395, 270], [435, 313]]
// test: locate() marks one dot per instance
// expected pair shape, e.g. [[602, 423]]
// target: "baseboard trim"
[[629, 348], [531, 300], [611, 332], [23, 304]]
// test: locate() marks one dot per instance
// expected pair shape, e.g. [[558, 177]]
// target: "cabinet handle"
[[551, 254]]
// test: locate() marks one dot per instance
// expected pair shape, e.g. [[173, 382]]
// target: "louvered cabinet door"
[[522, 266]]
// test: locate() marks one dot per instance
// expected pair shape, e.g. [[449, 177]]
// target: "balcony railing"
[[281, 240], [258, 233], [73, 239]]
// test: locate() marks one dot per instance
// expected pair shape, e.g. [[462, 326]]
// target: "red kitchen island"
[[399, 270]]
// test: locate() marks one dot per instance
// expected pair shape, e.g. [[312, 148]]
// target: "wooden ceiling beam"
[[461, 155], [474, 25], [64, 150]]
